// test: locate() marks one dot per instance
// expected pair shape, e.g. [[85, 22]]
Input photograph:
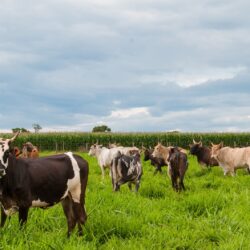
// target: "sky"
[[71, 65]]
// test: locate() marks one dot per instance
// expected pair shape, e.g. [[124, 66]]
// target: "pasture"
[[213, 213]]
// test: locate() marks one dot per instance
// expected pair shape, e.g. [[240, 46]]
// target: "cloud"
[[127, 113], [136, 65], [188, 79]]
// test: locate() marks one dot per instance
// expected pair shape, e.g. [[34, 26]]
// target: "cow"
[[158, 163], [30, 151], [105, 155], [162, 152], [43, 182], [126, 169], [231, 159], [178, 165], [203, 154]]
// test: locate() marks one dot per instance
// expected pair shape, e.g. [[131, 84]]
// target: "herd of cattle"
[[27, 180]]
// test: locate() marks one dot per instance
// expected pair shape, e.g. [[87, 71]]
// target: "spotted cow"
[[126, 169]]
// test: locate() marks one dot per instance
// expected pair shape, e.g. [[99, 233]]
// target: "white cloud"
[[188, 78], [128, 113]]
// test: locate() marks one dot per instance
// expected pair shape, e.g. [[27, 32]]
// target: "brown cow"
[[161, 151], [203, 154], [158, 163], [178, 165], [30, 151]]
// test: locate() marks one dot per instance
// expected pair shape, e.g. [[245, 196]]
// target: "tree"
[[102, 128], [23, 130], [36, 127]]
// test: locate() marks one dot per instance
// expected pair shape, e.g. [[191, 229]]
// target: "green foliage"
[[23, 130], [213, 213], [82, 141], [102, 128]]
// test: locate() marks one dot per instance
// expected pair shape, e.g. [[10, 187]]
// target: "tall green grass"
[[213, 213]]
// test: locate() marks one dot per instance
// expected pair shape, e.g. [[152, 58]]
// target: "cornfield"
[[82, 141]]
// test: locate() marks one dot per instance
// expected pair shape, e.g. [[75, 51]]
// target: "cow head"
[[158, 150], [5, 145], [194, 148], [94, 149], [161, 151], [215, 149]]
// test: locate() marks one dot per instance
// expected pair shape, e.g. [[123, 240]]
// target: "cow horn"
[[194, 142], [15, 136]]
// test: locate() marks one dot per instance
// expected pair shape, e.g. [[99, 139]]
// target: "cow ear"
[[221, 144], [190, 145], [14, 137]]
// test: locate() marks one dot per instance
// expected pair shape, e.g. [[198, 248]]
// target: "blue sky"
[[142, 65]]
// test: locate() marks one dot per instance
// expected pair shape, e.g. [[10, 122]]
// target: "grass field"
[[213, 213]]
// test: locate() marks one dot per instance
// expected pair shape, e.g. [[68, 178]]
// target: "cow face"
[[93, 151], [215, 150], [4, 153], [157, 151], [194, 148], [161, 151]]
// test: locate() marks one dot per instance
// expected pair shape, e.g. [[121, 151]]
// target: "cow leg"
[[67, 204], [173, 182], [117, 187], [130, 185], [3, 217], [137, 185], [182, 184], [233, 172], [159, 169], [103, 172], [248, 170], [23, 215], [80, 216], [156, 170]]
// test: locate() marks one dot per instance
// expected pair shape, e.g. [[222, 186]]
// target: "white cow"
[[230, 159], [105, 155]]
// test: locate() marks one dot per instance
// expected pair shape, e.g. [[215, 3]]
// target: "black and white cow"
[[125, 169], [43, 182]]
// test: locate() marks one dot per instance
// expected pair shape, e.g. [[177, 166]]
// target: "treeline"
[[82, 141]]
